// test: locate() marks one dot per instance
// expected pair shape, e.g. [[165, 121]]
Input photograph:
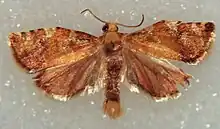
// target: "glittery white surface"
[[23, 106]]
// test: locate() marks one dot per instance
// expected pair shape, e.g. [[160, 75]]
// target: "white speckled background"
[[23, 106]]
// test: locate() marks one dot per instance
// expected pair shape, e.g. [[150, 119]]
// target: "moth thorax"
[[112, 48]]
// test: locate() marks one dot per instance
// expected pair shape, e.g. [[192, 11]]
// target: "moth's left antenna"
[[85, 10]]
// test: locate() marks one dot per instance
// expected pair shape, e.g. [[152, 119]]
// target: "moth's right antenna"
[[142, 20], [85, 10]]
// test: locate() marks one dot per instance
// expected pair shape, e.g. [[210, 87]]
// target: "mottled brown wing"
[[157, 77], [64, 61], [175, 40], [44, 48]]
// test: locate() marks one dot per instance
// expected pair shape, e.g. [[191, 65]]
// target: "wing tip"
[[18, 61], [198, 59]]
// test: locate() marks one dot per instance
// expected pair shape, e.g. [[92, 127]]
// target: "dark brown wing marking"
[[44, 48], [187, 42], [158, 77], [65, 81]]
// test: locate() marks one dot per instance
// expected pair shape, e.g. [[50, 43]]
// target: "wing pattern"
[[176, 40], [43, 48], [64, 61]]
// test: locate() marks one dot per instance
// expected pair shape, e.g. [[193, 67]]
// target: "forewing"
[[176, 40], [158, 77], [44, 48]]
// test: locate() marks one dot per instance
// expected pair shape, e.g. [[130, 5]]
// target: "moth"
[[66, 62]]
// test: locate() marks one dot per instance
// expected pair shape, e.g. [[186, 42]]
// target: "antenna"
[[93, 15], [130, 26]]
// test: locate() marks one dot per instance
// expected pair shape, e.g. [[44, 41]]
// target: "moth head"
[[110, 27]]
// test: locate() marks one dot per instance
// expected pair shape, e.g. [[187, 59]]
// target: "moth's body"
[[112, 47], [66, 62]]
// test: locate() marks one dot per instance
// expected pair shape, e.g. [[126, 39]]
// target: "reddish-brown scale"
[[65, 61]]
